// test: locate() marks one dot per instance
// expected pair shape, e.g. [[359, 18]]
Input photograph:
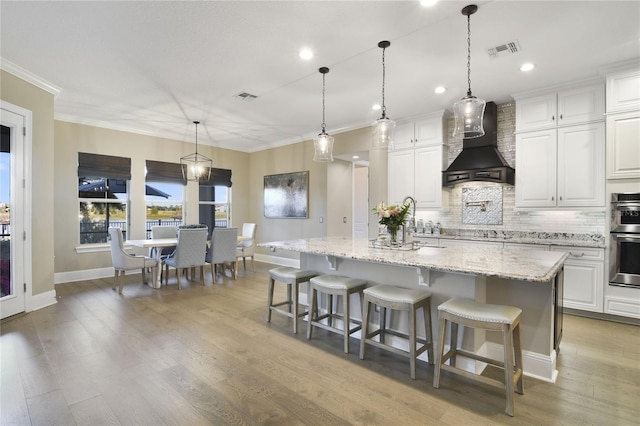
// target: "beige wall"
[[73, 138], [55, 235], [40, 103]]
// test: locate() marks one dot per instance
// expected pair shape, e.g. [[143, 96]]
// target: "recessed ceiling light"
[[428, 3], [440, 89], [376, 107], [306, 54], [355, 157], [527, 67]]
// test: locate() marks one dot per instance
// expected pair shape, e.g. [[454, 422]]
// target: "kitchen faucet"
[[412, 226]]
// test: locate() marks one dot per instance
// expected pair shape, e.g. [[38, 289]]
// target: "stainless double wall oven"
[[624, 264]]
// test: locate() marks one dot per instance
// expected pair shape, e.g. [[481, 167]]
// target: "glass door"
[[12, 283]]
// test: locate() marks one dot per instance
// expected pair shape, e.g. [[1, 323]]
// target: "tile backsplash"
[[512, 220]]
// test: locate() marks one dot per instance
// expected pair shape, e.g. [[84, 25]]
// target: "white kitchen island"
[[528, 279]]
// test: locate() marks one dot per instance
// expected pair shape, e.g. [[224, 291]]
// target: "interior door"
[[12, 299], [361, 211]]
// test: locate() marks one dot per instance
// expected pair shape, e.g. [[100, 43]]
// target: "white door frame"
[[20, 122]]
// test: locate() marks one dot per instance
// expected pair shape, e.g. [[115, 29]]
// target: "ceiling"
[[153, 67]]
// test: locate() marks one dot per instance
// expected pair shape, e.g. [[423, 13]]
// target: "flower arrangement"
[[393, 217]]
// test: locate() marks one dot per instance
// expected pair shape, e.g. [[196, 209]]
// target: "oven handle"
[[633, 208], [617, 235]]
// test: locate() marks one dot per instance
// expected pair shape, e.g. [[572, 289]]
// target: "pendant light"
[[323, 143], [196, 167], [469, 111], [384, 127]]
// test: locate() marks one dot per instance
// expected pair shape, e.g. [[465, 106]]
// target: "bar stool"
[[334, 285], [292, 277], [469, 313], [400, 299]]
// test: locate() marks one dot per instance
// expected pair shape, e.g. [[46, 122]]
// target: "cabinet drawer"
[[581, 253], [525, 246]]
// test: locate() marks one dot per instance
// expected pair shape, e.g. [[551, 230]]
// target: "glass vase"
[[393, 234]]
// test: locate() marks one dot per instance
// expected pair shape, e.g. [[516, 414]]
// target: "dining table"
[[160, 243]]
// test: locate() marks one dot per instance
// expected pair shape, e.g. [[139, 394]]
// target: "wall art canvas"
[[286, 195]]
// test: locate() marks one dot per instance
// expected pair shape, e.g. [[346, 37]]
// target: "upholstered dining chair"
[[123, 261], [222, 250], [163, 232], [247, 248], [189, 253]]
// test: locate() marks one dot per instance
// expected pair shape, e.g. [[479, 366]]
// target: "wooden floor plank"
[[206, 355]]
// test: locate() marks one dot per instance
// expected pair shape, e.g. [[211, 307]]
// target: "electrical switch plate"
[[321, 219]]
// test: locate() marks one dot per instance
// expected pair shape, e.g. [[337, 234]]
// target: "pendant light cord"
[[323, 86], [469, 54], [384, 108]]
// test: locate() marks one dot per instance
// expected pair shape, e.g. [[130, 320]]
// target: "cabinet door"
[[428, 132], [583, 278], [400, 175], [403, 137], [581, 161], [536, 113], [623, 146], [428, 177], [623, 91], [581, 105], [536, 169]]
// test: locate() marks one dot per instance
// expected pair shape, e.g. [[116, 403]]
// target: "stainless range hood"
[[480, 159]]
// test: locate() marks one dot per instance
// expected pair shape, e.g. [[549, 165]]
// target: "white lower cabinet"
[[583, 278]]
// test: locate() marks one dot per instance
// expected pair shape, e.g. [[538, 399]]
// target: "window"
[[164, 195], [215, 200], [103, 183]]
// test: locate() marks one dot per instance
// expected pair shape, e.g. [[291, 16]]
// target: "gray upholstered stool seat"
[[292, 277], [401, 299], [502, 318], [334, 285]]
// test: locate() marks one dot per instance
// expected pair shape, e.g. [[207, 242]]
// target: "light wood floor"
[[206, 355]]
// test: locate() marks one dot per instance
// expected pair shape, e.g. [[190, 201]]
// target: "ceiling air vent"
[[504, 49], [244, 96]]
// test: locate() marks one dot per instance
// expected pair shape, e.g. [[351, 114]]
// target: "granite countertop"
[[594, 240], [508, 263]]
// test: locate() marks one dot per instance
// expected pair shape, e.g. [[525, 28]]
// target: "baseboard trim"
[[539, 366], [86, 274], [42, 300]]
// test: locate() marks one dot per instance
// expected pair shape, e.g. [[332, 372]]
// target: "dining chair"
[[163, 232], [222, 250], [247, 248], [123, 261], [189, 253]]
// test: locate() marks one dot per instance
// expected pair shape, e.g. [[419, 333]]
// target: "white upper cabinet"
[[416, 164], [623, 91], [560, 148], [623, 124], [562, 108]]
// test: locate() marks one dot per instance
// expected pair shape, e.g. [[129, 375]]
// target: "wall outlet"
[[321, 219]]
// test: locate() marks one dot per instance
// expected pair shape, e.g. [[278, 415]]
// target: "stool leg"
[[426, 311], [294, 303], [269, 297], [383, 323], [365, 325], [453, 342], [517, 349], [508, 366], [330, 318], [313, 309], [442, 323], [345, 309], [289, 295], [412, 341]]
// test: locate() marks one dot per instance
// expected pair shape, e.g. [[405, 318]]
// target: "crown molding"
[[29, 77]]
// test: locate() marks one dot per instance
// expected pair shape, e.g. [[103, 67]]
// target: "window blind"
[[159, 171], [106, 166]]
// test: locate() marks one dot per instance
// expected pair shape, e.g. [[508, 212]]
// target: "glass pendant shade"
[[196, 167], [383, 131], [323, 148], [469, 113], [384, 128]]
